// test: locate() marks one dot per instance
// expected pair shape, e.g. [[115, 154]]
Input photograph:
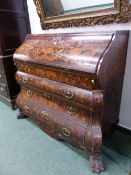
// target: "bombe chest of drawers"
[[71, 85]]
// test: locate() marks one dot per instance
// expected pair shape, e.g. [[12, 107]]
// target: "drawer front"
[[78, 80], [68, 92], [77, 114], [65, 128], [3, 90]]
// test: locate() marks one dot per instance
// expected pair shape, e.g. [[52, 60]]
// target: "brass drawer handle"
[[68, 94], [45, 95], [66, 132], [45, 115], [25, 79], [71, 109], [26, 108], [29, 93], [44, 82]]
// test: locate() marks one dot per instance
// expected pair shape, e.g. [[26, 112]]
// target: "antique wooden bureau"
[[71, 86]]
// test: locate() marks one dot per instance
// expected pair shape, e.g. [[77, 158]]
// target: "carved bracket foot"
[[21, 116], [96, 164]]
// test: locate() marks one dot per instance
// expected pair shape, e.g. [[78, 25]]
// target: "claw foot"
[[96, 164], [21, 116]]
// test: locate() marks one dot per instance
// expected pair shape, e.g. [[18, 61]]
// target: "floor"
[[26, 150]]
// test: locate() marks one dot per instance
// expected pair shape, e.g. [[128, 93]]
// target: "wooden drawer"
[[74, 79], [63, 127], [3, 90], [65, 109], [60, 122], [68, 92]]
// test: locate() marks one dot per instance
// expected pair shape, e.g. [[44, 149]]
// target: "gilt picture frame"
[[120, 13]]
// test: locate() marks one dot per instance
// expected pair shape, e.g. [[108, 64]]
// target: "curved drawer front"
[[47, 113], [79, 95], [70, 78], [72, 111], [65, 129]]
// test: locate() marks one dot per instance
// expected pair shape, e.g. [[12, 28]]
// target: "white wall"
[[125, 110]]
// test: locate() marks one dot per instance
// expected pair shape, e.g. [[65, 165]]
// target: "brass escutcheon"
[[71, 109], [45, 115], [25, 79], [29, 93], [26, 108], [44, 82], [57, 40], [66, 132], [68, 94]]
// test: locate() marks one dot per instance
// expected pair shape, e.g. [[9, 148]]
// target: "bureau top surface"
[[80, 52]]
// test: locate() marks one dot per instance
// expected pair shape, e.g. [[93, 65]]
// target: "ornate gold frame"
[[120, 13]]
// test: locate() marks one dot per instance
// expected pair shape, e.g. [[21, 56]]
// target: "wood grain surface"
[[71, 85]]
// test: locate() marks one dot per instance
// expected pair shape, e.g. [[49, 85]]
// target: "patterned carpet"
[[26, 150]]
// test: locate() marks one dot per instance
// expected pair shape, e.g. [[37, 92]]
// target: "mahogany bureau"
[[71, 85]]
